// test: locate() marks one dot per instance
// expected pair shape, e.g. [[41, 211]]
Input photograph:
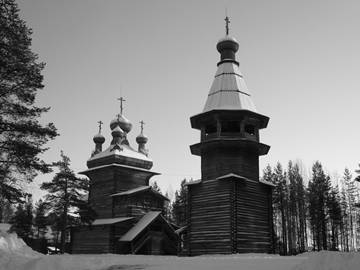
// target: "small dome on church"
[[141, 138], [121, 121], [117, 132], [227, 43], [99, 138]]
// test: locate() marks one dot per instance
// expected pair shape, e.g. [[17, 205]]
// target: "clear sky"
[[300, 60]]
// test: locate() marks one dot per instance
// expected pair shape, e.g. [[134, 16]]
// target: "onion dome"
[[141, 139], [121, 121], [117, 132], [227, 47], [99, 138]]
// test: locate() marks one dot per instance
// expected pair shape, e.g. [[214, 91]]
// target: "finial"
[[121, 99], [142, 123], [100, 124], [227, 22]]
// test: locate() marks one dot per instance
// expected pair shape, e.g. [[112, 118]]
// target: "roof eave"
[[198, 119]]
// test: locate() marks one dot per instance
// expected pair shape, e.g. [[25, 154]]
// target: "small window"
[[209, 129], [230, 127], [250, 129]]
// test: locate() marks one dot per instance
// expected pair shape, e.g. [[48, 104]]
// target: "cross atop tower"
[[121, 99], [227, 22], [100, 124], [142, 123]]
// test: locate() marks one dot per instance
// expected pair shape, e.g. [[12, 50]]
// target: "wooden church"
[[129, 212], [229, 209]]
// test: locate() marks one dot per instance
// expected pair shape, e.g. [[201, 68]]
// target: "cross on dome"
[[100, 125], [142, 123], [227, 22], [121, 99]]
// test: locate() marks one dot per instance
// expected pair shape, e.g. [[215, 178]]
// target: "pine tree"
[[280, 205], [318, 190], [154, 185], [351, 191], [6, 211], [301, 207], [40, 219], [23, 219], [296, 211], [22, 137], [66, 196], [344, 223], [358, 172], [179, 205], [334, 216]]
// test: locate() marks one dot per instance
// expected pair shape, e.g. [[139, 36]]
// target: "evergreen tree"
[[23, 219], [179, 205], [358, 172], [351, 194], [334, 216], [22, 137], [66, 196], [344, 224], [318, 190], [280, 206], [40, 219], [292, 209], [296, 211], [6, 211], [301, 208], [154, 185], [168, 209]]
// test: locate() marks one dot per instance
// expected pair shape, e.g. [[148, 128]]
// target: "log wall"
[[229, 216], [209, 221], [105, 182], [91, 241], [217, 162]]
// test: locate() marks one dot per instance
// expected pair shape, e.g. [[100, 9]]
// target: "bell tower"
[[229, 207]]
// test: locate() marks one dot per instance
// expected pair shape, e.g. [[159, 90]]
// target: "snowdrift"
[[16, 255], [13, 250], [330, 260]]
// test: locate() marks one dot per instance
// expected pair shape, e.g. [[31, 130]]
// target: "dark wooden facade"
[[229, 209], [129, 212]]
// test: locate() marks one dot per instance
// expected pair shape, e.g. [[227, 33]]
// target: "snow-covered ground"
[[15, 255]]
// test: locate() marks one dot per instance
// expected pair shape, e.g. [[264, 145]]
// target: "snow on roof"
[[229, 175], [140, 226], [132, 191], [193, 182], [228, 90], [232, 175], [107, 221], [127, 151], [139, 189], [119, 165], [267, 183]]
